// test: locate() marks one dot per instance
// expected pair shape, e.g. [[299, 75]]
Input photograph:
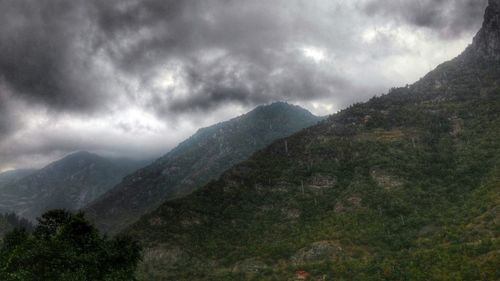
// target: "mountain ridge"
[[69, 183], [14, 175], [486, 44], [194, 162], [402, 187]]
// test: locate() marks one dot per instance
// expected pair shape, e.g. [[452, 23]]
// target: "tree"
[[64, 246]]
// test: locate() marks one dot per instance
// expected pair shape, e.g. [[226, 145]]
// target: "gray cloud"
[[46, 48], [449, 18], [38, 146], [10, 115], [254, 43], [7, 122], [181, 59], [52, 50]]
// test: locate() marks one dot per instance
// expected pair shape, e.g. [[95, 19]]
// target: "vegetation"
[[196, 161], [10, 221], [403, 187], [412, 196], [64, 246]]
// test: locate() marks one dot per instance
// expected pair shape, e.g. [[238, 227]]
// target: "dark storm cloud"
[[248, 82], [50, 48], [449, 18], [53, 50], [184, 58], [7, 121], [254, 42], [45, 48]]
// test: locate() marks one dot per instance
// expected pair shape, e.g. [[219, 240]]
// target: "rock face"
[[196, 161], [69, 183], [486, 44], [316, 252]]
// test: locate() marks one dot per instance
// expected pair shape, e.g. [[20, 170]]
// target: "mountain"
[[69, 183], [14, 175], [194, 162], [405, 186], [486, 44]]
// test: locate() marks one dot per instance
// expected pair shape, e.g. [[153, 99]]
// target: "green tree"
[[64, 246]]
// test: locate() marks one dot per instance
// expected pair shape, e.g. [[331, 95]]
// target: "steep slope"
[[201, 158], [10, 177], [69, 183], [14, 175], [403, 187]]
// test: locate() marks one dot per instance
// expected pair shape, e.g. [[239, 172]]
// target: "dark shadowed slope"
[[403, 187], [201, 158], [14, 175], [69, 183]]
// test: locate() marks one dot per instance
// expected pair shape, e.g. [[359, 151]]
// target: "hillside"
[[403, 187], [10, 177], [69, 183], [194, 162], [14, 175]]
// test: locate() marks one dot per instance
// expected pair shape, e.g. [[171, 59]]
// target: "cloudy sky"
[[134, 77]]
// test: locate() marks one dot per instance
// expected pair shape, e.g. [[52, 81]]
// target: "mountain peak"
[[75, 157], [196, 161], [486, 43], [81, 153], [280, 107]]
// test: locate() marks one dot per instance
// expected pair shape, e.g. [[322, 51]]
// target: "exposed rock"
[[339, 207], [486, 44], [190, 220], [167, 256], [355, 201], [316, 252], [457, 126], [320, 181], [385, 179], [249, 266], [291, 213]]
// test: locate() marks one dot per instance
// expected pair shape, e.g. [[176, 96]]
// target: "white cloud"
[[314, 53]]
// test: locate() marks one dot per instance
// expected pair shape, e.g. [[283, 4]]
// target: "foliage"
[[196, 161], [403, 187], [10, 221], [64, 246]]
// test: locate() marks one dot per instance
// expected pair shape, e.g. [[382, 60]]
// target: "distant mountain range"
[[403, 187], [69, 183], [196, 161], [14, 175]]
